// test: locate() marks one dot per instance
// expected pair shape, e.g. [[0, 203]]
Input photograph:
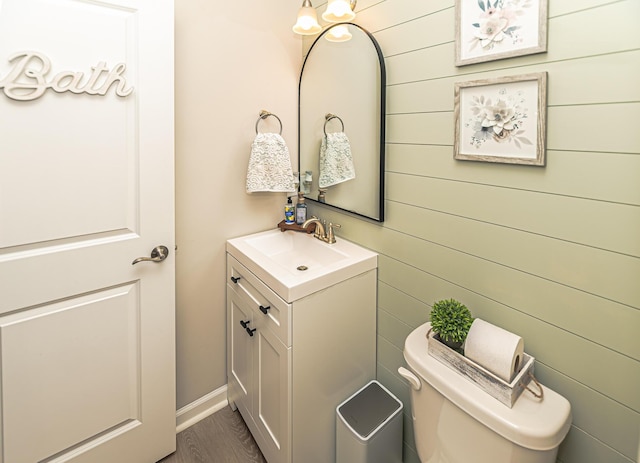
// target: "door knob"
[[158, 254]]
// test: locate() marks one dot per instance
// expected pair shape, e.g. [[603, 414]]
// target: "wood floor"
[[220, 438]]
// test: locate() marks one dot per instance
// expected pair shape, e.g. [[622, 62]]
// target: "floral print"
[[498, 23], [500, 120]]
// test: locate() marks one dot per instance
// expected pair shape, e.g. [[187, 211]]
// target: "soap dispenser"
[[289, 212], [301, 209]]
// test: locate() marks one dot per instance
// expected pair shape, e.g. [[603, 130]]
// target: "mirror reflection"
[[341, 122]]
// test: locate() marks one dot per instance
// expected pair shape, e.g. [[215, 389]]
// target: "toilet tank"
[[457, 422]]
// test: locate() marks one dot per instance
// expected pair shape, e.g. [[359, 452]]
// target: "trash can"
[[369, 427]]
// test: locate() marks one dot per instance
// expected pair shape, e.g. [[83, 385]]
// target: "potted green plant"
[[450, 321]]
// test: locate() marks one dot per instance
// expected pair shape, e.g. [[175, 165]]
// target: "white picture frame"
[[501, 120]]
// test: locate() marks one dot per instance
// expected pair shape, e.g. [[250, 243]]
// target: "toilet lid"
[[530, 423]]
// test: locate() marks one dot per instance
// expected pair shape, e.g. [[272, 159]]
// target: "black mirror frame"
[[383, 114]]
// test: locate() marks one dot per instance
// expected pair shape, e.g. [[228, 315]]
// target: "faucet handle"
[[331, 238], [320, 230]]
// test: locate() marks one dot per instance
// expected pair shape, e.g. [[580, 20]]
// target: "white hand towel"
[[269, 165], [336, 161]]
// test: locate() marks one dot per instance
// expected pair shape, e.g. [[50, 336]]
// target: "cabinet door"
[[240, 357], [272, 404]]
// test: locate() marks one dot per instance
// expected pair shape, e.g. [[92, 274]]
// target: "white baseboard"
[[199, 409]]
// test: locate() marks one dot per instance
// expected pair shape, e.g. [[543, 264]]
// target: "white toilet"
[[455, 421]]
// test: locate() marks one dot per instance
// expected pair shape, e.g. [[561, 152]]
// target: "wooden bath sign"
[[28, 78]]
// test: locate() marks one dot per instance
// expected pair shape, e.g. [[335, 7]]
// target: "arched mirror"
[[341, 124]]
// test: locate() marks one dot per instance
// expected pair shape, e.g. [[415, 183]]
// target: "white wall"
[[232, 60]]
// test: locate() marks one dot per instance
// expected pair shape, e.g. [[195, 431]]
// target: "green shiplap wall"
[[551, 253]]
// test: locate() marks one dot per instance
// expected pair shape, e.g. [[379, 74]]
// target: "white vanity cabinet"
[[290, 363], [258, 360]]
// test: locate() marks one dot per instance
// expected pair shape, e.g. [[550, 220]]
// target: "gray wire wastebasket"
[[369, 427]]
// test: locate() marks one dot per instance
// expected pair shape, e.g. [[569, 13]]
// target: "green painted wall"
[[550, 253]]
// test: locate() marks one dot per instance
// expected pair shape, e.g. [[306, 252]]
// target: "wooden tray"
[[295, 227], [506, 393]]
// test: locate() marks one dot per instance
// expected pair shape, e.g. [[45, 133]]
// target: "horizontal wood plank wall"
[[550, 253]]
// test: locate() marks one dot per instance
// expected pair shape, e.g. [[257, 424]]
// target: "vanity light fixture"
[[307, 23], [339, 11], [339, 33]]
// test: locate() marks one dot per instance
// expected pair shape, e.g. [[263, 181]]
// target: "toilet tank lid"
[[533, 424]]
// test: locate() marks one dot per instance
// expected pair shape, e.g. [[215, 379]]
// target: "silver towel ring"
[[327, 118], [263, 115]]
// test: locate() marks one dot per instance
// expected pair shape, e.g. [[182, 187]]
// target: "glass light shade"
[[338, 11], [307, 23], [338, 33]]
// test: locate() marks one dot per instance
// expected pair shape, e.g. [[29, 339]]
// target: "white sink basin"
[[295, 264], [291, 250]]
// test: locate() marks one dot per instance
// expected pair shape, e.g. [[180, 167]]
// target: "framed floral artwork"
[[488, 30], [501, 120]]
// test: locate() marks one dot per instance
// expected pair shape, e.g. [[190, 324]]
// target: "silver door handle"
[[158, 254]]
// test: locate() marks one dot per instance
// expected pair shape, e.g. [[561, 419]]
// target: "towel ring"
[[327, 118], [263, 115]]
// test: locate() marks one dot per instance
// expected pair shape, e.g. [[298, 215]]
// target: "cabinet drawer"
[[271, 311]]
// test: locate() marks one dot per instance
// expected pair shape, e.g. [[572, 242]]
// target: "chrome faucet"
[[320, 232]]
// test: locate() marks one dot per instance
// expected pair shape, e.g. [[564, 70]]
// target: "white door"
[[87, 343], [271, 403], [240, 356]]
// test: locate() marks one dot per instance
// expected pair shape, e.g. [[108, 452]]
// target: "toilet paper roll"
[[497, 350]]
